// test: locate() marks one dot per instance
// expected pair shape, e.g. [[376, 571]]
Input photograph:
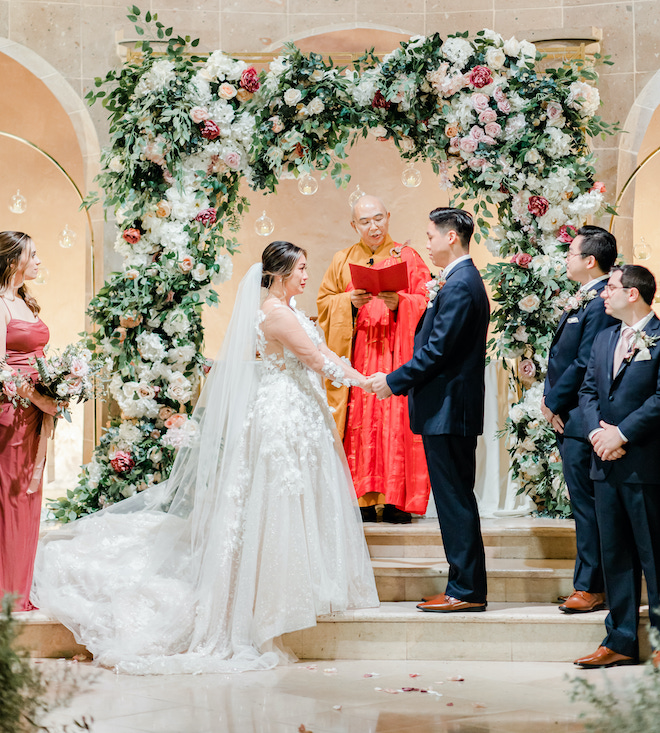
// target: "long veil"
[[149, 584]]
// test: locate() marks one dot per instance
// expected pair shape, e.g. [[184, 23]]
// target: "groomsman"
[[444, 382], [590, 257], [620, 401]]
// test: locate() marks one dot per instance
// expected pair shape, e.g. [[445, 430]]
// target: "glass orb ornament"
[[17, 203], [411, 176], [42, 276], [264, 226], [357, 194], [67, 238], [307, 185], [642, 250]]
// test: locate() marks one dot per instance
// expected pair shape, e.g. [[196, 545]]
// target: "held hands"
[[555, 421], [378, 384], [608, 443]]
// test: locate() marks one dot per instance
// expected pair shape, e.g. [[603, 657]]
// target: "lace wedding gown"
[[255, 534]]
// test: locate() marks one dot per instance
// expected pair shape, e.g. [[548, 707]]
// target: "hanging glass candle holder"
[[411, 177], [42, 276], [642, 250], [357, 194], [17, 203], [307, 185], [264, 226], [67, 238]]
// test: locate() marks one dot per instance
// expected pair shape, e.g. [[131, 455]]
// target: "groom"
[[444, 382]]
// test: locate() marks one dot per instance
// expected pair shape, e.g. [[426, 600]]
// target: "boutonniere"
[[580, 300], [434, 286], [640, 346]]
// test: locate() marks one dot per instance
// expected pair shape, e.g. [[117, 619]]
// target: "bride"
[[255, 534]]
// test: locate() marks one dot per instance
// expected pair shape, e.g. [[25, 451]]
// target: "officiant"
[[376, 332]]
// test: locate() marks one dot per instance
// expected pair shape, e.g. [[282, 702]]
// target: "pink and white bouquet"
[[67, 376], [10, 381]]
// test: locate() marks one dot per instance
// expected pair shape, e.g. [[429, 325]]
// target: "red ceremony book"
[[386, 280]]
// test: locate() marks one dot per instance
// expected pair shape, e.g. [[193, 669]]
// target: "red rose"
[[566, 233], [480, 77], [122, 462], [538, 205], [132, 235], [206, 216], [522, 259], [209, 130], [380, 102], [250, 80]]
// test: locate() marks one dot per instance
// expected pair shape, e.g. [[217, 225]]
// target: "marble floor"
[[339, 697]]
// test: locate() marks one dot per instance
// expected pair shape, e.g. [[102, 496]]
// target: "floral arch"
[[185, 130]]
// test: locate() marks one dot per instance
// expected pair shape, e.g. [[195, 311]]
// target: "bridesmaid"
[[23, 336]]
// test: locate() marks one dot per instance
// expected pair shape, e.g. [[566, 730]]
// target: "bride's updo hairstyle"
[[12, 248], [279, 259]]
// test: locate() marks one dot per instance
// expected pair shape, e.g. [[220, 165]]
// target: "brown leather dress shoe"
[[583, 602], [446, 604], [603, 658]]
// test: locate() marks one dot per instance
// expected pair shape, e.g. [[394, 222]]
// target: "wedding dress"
[[255, 534]]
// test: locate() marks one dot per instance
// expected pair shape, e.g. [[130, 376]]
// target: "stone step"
[[506, 537], [509, 580], [505, 632]]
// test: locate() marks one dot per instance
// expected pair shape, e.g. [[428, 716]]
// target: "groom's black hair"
[[600, 243], [445, 218]]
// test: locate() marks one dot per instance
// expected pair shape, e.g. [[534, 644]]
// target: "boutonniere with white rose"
[[640, 347], [580, 300], [434, 286]]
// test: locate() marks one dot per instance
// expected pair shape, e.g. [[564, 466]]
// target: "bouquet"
[[67, 377], [10, 381]]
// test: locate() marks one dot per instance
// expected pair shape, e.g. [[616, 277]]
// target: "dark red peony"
[[209, 130], [250, 80], [207, 217], [122, 462], [132, 235], [480, 76], [380, 102], [538, 205]]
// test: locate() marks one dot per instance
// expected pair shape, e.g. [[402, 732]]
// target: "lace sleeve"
[[336, 374]]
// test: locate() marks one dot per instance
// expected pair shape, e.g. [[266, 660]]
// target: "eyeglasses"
[[611, 289], [576, 254]]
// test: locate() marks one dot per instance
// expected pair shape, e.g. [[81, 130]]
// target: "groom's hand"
[[380, 386]]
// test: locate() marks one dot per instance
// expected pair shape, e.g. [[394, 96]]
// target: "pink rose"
[[493, 129], [554, 110], [165, 413], [522, 259], [132, 235], [250, 80], [566, 233], [455, 141], [9, 388], [488, 140], [209, 130], [480, 102], [477, 163], [476, 133], [207, 217], [480, 76], [498, 94], [232, 160], [538, 205], [276, 124], [154, 152], [122, 462], [488, 115], [527, 368], [468, 144], [598, 186], [199, 114], [207, 365], [226, 90], [79, 367], [177, 420], [186, 264], [504, 106]]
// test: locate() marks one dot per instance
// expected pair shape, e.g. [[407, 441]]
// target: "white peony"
[[584, 98], [150, 346], [128, 434], [176, 323], [457, 50], [557, 143]]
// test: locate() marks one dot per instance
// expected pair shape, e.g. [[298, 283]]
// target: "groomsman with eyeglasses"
[[590, 257], [620, 401]]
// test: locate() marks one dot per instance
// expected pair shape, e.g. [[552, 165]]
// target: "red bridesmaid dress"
[[20, 504]]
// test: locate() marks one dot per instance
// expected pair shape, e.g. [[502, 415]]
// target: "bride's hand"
[[365, 384]]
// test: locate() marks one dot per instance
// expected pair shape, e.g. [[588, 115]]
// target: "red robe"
[[387, 461]]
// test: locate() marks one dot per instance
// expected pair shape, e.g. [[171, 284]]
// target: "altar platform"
[[529, 563]]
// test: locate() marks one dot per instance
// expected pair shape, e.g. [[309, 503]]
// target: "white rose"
[[529, 303], [116, 165], [316, 106], [292, 97], [495, 58], [511, 47], [516, 413]]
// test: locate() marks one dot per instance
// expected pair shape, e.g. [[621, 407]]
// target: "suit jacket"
[[569, 356], [444, 380], [631, 401]]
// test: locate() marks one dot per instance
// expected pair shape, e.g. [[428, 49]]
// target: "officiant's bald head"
[[371, 220]]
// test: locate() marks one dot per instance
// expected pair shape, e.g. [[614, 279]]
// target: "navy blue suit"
[[567, 365], [444, 382], [628, 489]]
